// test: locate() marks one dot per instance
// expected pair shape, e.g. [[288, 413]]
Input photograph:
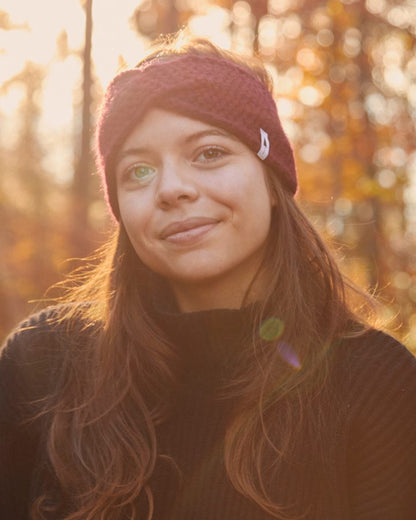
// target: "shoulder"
[[372, 354], [374, 389], [39, 334], [374, 374], [34, 352]]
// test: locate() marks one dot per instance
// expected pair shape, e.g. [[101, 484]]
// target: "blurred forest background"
[[345, 84]]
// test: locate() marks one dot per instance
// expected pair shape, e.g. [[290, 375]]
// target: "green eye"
[[141, 172]]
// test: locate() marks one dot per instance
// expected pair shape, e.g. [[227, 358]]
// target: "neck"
[[217, 294]]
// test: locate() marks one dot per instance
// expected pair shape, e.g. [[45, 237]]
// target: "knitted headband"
[[204, 87]]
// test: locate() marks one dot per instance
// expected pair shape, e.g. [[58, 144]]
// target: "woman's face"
[[196, 207]]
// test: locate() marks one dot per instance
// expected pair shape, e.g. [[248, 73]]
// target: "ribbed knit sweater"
[[368, 435]]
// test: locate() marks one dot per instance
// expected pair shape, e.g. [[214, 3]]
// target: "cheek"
[[134, 210], [135, 222], [254, 200], [141, 245], [137, 218]]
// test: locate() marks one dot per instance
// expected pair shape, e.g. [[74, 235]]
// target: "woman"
[[212, 365]]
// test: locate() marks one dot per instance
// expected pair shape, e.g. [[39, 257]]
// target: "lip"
[[195, 226]]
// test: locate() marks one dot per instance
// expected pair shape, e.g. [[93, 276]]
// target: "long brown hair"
[[119, 367]]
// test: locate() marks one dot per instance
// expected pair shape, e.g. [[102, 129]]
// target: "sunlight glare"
[[376, 6], [241, 13], [213, 25], [38, 43], [11, 99], [9, 103], [310, 153], [396, 80], [399, 16], [268, 32], [292, 27], [278, 7], [59, 80], [386, 178], [411, 95], [113, 38], [13, 58], [286, 108], [310, 96]]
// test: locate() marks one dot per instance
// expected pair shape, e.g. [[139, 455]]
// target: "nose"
[[176, 185]]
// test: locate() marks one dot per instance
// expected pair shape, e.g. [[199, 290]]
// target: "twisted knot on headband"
[[208, 88]]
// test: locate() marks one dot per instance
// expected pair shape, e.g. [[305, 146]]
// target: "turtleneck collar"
[[209, 343]]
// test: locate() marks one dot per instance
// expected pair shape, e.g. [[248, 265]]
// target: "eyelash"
[[220, 152], [129, 171]]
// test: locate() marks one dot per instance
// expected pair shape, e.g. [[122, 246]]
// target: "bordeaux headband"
[[208, 88]]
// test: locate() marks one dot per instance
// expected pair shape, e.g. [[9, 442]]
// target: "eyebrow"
[[208, 132], [137, 150]]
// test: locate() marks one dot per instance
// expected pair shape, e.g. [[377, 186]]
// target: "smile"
[[188, 231]]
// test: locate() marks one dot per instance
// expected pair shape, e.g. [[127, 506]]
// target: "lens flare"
[[289, 355], [271, 329]]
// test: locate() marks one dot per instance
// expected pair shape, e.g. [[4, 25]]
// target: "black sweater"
[[369, 437]]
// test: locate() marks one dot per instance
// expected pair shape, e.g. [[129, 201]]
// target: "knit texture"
[[368, 428], [207, 88]]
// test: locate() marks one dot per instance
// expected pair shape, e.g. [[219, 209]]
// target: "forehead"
[[162, 125]]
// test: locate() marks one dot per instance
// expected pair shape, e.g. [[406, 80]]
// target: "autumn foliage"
[[345, 81]]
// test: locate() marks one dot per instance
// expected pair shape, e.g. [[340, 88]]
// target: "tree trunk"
[[81, 179]]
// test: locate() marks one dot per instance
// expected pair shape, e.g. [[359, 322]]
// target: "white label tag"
[[264, 146]]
